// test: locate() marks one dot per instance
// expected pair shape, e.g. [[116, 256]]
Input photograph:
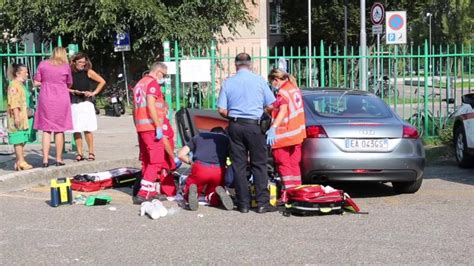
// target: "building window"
[[275, 16]]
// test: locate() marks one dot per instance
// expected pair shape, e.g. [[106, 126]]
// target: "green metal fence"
[[412, 81], [30, 55]]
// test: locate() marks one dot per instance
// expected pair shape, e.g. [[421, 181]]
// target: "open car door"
[[191, 122]]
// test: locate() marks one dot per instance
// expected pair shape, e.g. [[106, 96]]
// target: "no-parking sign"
[[396, 27]]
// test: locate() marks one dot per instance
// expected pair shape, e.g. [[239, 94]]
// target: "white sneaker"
[[150, 209], [160, 208]]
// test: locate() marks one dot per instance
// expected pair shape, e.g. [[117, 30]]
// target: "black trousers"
[[247, 141]]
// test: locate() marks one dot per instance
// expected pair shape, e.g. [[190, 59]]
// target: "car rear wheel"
[[460, 145], [407, 187]]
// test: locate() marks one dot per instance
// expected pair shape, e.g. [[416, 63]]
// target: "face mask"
[[161, 81]]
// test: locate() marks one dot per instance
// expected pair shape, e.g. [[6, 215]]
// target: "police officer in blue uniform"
[[242, 100]]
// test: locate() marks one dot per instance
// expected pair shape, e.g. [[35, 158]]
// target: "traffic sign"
[[122, 42], [377, 13], [396, 27], [377, 29]]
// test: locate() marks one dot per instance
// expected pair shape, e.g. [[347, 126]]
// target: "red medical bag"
[[315, 199]]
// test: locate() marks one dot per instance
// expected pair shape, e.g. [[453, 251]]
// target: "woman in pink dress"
[[53, 113]]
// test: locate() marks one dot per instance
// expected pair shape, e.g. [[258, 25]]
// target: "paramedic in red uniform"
[[148, 116], [287, 131], [210, 151], [167, 185]]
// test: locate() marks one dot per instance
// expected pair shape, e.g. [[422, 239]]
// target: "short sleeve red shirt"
[[279, 101], [154, 89]]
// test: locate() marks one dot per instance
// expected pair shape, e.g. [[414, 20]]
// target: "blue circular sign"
[[395, 22]]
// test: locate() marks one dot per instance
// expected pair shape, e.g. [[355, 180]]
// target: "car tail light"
[[410, 132], [316, 132]]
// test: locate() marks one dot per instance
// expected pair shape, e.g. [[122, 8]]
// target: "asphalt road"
[[434, 225]]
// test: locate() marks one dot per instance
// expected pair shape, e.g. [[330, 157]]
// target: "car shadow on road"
[[365, 189], [449, 171], [441, 164]]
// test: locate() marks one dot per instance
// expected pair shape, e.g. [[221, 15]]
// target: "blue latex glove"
[[159, 133], [177, 162], [271, 136]]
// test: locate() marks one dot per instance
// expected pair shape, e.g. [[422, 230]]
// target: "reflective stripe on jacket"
[[292, 129], [143, 121]]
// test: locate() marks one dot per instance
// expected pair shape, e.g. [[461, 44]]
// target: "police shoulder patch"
[[13, 90]]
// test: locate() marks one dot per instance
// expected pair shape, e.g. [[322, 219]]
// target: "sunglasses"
[[164, 74]]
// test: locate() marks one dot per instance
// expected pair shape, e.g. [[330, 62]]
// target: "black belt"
[[245, 120]]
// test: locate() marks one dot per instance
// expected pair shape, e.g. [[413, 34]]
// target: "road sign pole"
[[125, 77], [377, 74]]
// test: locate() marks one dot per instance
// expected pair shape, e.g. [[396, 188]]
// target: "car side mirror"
[[468, 99]]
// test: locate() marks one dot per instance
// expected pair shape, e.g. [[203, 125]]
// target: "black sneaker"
[[265, 209], [225, 198], [137, 200], [193, 201]]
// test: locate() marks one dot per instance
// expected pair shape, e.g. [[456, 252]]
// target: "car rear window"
[[347, 106]]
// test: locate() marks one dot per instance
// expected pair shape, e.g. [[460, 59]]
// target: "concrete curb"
[[37, 176]]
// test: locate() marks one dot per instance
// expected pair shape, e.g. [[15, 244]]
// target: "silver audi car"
[[351, 136], [354, 136]]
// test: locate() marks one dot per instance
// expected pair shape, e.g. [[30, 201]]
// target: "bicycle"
[[382, 87], [4, 136], [418, 118]]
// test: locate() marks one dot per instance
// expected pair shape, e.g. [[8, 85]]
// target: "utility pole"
[[345, 22], [309, 45], [363, 48]]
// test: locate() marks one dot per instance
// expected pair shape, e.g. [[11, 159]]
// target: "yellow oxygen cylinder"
[[272, 188]]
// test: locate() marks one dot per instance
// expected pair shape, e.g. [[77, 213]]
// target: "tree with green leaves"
[[93, 23], [452, 21]]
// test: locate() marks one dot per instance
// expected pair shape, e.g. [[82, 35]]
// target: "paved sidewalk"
[[116, 146]]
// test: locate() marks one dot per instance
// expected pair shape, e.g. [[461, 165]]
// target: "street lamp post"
[[429, 15], [345, 40], [363, 47]]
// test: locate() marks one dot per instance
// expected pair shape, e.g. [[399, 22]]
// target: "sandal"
[[79, 157], [23, 166], [91, 157]]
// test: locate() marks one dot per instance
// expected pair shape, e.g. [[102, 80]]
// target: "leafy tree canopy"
[[452, 21], [93, 23]]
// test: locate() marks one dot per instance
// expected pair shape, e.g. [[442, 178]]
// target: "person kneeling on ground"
[[167, 184], [210, 150]]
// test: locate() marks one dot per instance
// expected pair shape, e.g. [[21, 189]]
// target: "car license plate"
[[113, 99], [366, 144]]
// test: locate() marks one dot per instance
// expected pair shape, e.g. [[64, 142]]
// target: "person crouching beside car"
[[287, 131], [210, 151], [171, 163]]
